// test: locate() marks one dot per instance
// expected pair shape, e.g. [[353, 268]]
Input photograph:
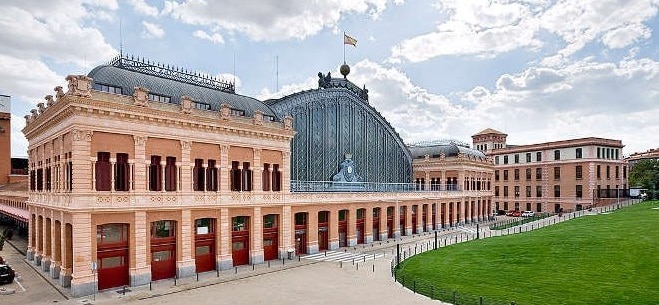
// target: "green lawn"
[[603, 259]]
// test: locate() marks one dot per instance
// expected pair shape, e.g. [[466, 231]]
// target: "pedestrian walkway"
[[346, 257]]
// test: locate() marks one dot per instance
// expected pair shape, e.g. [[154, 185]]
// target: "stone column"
[[225, 259], [396, 220], [257, 172], [56, 250], [225, 169], [83, 281], [47, 235], [368, 225], [186, 265], [256, 234], [285, 172], [287, 229], [141, 182], [186, 171], [352, 227], [140, 271], [39, 238], [334, 229], [80, 154], [408, 220], [384, 233], [312, 232]]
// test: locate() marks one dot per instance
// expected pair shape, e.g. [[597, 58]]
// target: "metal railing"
[[499, 228], [336, 186]]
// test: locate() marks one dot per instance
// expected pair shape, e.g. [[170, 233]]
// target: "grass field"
[[602, 259]]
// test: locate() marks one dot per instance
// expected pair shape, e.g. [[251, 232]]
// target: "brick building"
[[546, 177], [143, 172]]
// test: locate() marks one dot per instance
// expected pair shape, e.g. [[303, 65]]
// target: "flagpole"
[[344, 47]]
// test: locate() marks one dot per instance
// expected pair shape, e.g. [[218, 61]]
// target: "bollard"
[[268, 264], [357, 266], [325, 253], [218, 271], [253, 266], [481, 300], [150, 288], [340, 264], [197, 276], [298, 258], [283, 261], [373, 267], [175, 278], [236, 268], [365, 257], [414, 286]]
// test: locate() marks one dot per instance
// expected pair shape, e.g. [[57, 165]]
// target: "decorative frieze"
[[140, 96], [186, 104], [82, 135], [79, 85]]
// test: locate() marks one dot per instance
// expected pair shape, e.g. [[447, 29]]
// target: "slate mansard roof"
[[174, 83], [449, 148]]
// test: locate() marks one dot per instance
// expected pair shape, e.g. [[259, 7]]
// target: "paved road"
[[30, 287]]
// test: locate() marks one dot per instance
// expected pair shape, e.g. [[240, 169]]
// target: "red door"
[[205, 255], [240, 247], [376, 228], [112, 268], [323, 236], [424, 217], [403, 221], [343, 233], [414, 219], [360, 231], [270, 244], [300, 239], [390, 226], [163, 261]]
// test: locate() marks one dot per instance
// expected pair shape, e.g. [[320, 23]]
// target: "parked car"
[[510, 213], [6, 274], [516, 213], [528, 214]]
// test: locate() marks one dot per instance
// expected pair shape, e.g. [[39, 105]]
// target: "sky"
[[538, 70]]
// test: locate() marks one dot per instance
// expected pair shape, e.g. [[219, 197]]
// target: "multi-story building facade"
[[651, 154], [5, 139], [547, 177], [140, 172], [451, 165]]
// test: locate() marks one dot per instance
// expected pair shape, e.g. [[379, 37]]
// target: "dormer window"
[[237, 112], [159, 98], [268, 118], [108, 88], [201, 106]]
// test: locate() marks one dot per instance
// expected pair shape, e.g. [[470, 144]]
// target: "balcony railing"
[[333, 186]]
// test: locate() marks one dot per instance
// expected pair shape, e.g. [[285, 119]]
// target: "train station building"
[[140, 172]]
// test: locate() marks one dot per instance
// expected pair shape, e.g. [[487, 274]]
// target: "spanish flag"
[[349, 40]]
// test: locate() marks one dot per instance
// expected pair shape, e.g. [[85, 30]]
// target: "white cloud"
[[53, 29], [485, 28], [152, 30], [215, 38], [625, 35], [271, 20], [144, 8]]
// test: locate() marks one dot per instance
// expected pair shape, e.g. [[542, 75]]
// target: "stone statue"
[[59, 93], [347, 172]]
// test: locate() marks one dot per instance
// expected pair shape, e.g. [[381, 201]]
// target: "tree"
[[645, 174]]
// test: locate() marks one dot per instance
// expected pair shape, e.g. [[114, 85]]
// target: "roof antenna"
[[121, 40]]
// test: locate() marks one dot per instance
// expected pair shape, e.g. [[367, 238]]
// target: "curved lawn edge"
[[595, 259]]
